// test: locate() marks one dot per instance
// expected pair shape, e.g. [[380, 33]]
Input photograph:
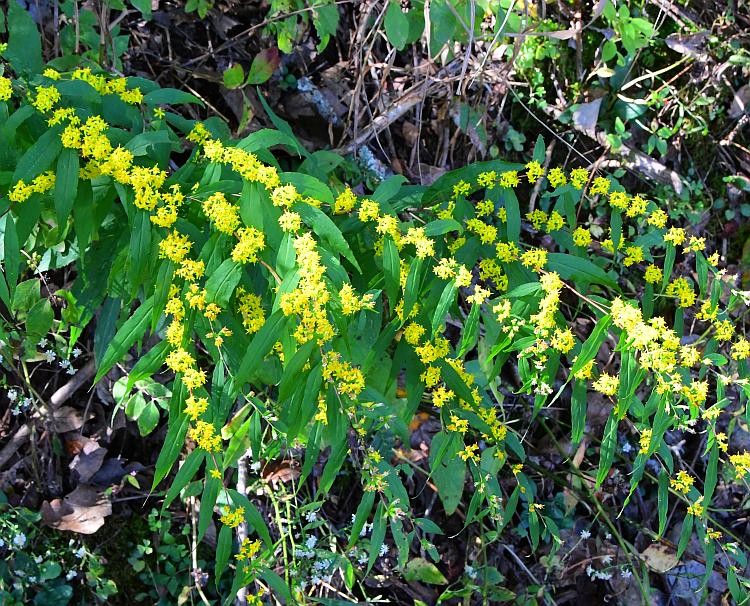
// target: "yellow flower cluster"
[[233, 517], [205, 436]]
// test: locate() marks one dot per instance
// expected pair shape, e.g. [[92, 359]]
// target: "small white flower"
[[70, 575], [38, 559], [626, 448], [50, 356], [12, 394], [2, 543], [362, 559], [383, 550], [76, 352], [26, 403], [64, 363], [608, 536], [470, 571], [80, 552], [607, 560], [626, 574], [311, 542], [32, 579], [42, 343], [585, 534], [311, 516], [71, 371], [19, 540]]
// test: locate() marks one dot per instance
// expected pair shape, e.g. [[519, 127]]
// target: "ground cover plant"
[[342, 378]]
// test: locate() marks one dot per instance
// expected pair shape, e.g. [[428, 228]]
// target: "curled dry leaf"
[[659, 558], [285, 470], [82, 511]]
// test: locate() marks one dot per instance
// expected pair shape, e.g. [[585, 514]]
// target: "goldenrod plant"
[[292, 311]]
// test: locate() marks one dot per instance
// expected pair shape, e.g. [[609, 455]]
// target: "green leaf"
[[578, 411], [252, 515], [412, 288], [685, 534], [39, 319], [447, 298], [263, 66], [148, 419], [391, 270], [175, 438], [448, 471], [578, 269], [132, 330], [12, 254], [396, 25], [513, 215], [326, 229], [281, 125], [423, 571], [186, 472], [360, 518], [234, 76], [140, 249], [470, 331], [66, 184], [223, 281], [39, 157], [261, 344], [592, 344], [607, 452], [223, 551], [170, 96], [24, 52], [208, 502], [663, 501]]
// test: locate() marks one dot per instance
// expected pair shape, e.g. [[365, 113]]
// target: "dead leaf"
[[740, 102], [660, 558], [586, 115], [286, 470], [88, 460], [66, 419], [691, 45], [82, 511]]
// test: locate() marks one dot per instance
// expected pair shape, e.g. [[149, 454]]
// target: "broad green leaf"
[[391, 270], [447, 298], [607, 452], [259, 347], [12, 254], [66, 184], [186, 472], [170, 96], [39, 157], [222, 282], [326, 229], [423, 571], [663, 501], [592, 344], [132, 330], [223, 551], [24, 52], [578, 269]]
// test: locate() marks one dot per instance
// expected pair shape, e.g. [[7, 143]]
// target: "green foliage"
[[291, 311]]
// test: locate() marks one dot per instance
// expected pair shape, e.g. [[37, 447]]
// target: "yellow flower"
[[682, 483], [675, 235], [179, 360], [222, 213], [205, 436], [345, 202], [555, 222], [741, 349], [248, 549], [290, 221], [579, 177], [724, 330], [658, 218], [195, 407], [413, 333], [233, 518], [536, 258], [741, 462], [534, 170], [251, 242], [581, 236], [470, 453], [697, 508], [6, 89], [556, 177], [487, 179], [645, 441], [46, 98], [606, 384], [509, 179], [600, 186], [193, 378], [653, 274]]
